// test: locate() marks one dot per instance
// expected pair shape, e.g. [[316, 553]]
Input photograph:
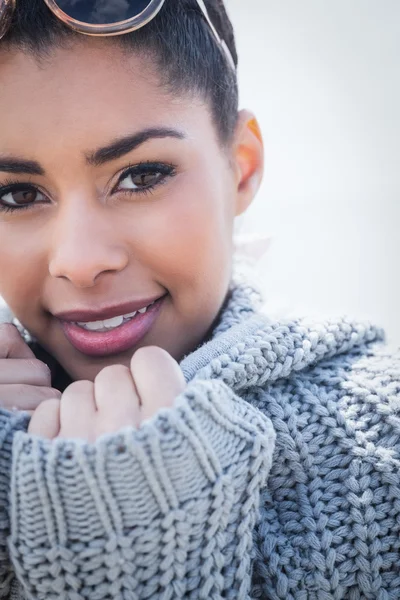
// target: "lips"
[[101, 314], [113, 341]]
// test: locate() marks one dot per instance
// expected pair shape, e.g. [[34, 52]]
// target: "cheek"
[[187, 235], [22, 268]]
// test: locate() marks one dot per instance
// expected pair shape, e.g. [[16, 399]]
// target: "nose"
[[86, 244]]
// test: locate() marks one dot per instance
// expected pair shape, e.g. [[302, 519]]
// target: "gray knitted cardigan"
[[275, 475]]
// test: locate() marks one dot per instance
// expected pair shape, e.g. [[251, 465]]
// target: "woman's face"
[[113, 194]]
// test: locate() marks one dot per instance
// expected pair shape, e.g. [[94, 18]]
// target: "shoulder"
[[363, 385], [369, 362], [349, 402], [330, 511]]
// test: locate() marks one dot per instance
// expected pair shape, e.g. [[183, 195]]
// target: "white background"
[[323, 78]]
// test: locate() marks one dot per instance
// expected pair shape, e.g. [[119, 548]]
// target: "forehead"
[[88, 92]]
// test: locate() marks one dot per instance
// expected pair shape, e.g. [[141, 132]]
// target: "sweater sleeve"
[[165, 511], [10, 423]]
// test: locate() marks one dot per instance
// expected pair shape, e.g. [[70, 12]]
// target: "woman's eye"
[[139, 181], [23, 197]]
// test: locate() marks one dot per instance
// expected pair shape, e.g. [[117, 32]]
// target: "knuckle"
[[42, 370], [153, 359], [12, 342], [79, 387], [48, 404], [8, 329], [112, 371], [147, 351], [149, 354], [50, 393], [9, 333]]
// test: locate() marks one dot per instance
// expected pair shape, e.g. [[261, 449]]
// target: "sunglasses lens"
[[102, 12]]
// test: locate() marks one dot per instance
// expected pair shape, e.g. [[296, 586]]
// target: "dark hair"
[[178, 38]]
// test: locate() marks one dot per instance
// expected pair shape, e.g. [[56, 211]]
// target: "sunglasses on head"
[[105, 17]]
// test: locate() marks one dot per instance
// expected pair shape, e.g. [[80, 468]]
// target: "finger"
[[46, 419], [78, 411], [25, 397], [158, 379], [12, 345], [28, 371], [116, 398]]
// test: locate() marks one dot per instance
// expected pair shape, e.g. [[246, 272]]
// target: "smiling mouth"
[[114, 335], [110, 324]]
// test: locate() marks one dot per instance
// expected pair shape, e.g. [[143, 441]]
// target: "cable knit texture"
[[275, 475], [9, 424]]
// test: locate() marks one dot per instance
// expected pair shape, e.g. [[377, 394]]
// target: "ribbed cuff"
[[10, 423], [165, 509]]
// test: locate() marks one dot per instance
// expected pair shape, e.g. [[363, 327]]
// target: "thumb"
[[46, 420], [158, 379]]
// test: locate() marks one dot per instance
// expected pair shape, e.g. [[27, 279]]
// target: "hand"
[[119, 397], [25, 382]]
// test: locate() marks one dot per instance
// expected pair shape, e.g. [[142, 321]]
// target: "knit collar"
[[248, 348]]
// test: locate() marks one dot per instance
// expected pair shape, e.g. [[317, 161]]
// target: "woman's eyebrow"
[[126, 144], [116, 149], [12, 164]]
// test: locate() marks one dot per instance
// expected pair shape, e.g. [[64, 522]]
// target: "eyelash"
[[147, 168]]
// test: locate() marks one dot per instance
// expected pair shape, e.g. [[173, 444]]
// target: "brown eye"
[[20, 197], [137, 181], [144, 177]]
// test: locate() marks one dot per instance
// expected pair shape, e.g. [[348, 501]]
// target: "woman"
[[182, 444]]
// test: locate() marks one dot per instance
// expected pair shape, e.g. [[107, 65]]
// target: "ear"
[[248, 158]]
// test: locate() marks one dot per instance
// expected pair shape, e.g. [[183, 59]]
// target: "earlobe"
[[249, 159]]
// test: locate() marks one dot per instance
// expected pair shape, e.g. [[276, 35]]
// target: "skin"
[[83, 243]]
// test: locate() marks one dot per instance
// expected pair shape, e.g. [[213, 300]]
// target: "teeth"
[[112, 323], [131, 315], [93, 325], [102, 325]]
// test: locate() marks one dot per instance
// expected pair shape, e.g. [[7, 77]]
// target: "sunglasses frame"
[[111, 29], [7, 8]]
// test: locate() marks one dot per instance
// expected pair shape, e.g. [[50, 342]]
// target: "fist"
[[119, 397], [25, 382]]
